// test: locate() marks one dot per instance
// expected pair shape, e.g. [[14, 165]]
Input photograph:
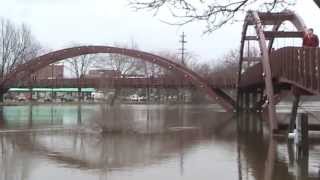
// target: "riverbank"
[[94, 102]]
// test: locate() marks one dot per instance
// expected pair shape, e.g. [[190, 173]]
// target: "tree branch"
[[215, 13]]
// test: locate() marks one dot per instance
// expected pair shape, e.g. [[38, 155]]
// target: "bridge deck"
[[161, 82], [294, 66]]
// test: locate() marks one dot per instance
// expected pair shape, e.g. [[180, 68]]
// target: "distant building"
[[103, 73], [50, 72]]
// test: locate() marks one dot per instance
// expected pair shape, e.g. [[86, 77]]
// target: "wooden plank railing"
[[299, 66]]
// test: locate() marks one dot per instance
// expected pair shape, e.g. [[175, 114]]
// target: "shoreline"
[[92, 103]]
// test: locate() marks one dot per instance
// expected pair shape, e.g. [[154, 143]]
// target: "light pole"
[[52, 78]]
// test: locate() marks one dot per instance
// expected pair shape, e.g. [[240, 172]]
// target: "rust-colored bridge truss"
[[23, 71], [275, 70]]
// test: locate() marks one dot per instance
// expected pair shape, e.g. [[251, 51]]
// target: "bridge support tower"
[[262, 39]]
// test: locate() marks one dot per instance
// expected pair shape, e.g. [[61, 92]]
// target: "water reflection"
[[143, 142], [265, 157]]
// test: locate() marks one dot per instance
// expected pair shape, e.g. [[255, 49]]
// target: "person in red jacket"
[[310, 39]]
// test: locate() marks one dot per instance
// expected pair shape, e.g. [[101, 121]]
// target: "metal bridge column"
[[2, 92], [240, 101], [266, 73], [247, 101], [294, 111], [254, 100]]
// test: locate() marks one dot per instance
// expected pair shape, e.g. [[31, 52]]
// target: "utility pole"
[[181, 93], [183, 42]]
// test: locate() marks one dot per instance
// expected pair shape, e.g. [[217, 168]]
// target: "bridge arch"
[[296, 20], [265, 40], [23, 71]]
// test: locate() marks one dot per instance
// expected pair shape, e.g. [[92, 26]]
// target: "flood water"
[[142, 142]]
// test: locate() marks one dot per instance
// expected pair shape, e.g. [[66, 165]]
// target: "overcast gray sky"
[[59, 23]]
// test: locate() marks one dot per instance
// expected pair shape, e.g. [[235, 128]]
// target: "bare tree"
[[227, 69], [17, 46], [179, 92], [80, 65], [121, 65], [214, 13]]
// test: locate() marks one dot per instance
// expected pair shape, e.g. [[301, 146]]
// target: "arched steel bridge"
[[275, 72], [262, 79], [23, 71]]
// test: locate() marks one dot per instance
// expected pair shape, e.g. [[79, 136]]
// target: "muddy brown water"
[[178, 142]]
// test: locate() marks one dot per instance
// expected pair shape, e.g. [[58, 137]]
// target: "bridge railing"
[[165, 82], [124, 82], [296, 65], [299, 66]]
